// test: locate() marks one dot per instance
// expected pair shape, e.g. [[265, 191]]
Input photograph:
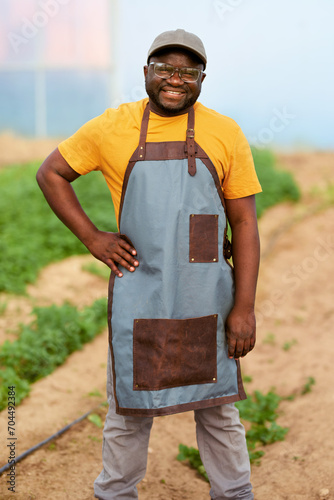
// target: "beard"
[[172, 108]]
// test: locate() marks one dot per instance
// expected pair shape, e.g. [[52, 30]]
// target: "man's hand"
[[113, 249], [240, 329]]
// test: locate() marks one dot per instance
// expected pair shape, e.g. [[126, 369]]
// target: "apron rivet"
[[213, 378], [192, 260], [140, 156], [214, 260]]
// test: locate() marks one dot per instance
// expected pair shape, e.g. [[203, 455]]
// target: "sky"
[[270, 62], [266, 59]]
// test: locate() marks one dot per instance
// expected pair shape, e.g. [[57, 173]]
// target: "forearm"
[[246, 257], [65, 204]]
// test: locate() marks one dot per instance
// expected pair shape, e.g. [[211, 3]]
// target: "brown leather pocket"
[[174, 352], [203, 238]]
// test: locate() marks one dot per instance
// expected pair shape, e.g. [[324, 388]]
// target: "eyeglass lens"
[[188, 75]]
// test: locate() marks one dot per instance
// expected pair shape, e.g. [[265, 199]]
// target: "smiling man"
[[180, 317]]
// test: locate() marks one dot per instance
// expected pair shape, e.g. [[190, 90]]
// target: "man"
[[179, 318]]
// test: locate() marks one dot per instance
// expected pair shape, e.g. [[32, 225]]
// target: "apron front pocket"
[[203, 238], [174, 352]]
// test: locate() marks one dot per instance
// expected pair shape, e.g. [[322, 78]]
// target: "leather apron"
[[166, 319]]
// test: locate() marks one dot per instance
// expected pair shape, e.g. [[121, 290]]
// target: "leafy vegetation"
[[9, 378], [45, 343], [277, 185], [287, 345], [308, 386], [261, 411], [31, 235], [193, 458], [95, 419]]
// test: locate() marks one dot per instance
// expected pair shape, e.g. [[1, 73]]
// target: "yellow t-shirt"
[[107, 142]]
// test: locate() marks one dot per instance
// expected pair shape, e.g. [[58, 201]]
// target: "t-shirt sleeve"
[[241, 179], [82, 149]]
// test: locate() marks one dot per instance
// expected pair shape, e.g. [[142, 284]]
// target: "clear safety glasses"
[[163, 70]]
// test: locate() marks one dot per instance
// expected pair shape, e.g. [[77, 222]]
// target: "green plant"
[[287, 345], [96, 393], [193, 458], [308, 386], [46, 342], [95, 419], [9, 378], [277, 185]]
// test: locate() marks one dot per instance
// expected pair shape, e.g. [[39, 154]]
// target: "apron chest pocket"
[[203, 238], [174, 352]]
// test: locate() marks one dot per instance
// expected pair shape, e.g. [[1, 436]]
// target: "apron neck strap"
[[190, 138], [143, 132], [190, 142]]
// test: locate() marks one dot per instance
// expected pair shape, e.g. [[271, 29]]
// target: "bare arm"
[[54, 178], [240, 323]]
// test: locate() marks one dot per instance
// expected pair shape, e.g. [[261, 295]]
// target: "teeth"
[[172, 92]]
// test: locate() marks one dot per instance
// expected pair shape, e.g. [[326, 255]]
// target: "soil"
[[295, 341]]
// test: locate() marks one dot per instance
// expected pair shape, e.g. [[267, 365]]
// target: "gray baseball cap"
[[179, 38]]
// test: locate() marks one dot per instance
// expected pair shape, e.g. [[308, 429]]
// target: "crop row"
[[45, 343]]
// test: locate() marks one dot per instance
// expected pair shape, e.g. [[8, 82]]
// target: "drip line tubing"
[[47, 440]]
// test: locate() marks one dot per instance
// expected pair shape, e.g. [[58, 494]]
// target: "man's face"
[[172, 96]]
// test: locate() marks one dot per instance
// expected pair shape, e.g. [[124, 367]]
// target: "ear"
[[145, 70], [203, 76]]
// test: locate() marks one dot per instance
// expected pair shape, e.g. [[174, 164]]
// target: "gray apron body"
[[166, 319]]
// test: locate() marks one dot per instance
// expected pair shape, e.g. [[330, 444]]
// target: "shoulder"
[[217, 131], [132, 111], [208, 115]]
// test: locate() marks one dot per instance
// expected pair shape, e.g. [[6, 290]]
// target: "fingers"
[[231, 342], [127, 244], [240, 326], [114, 268], [122, 254], [238, 348]]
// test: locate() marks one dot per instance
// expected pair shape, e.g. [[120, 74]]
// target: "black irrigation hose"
[[39, 445]]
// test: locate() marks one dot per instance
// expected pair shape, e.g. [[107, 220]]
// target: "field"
[[293, 358]]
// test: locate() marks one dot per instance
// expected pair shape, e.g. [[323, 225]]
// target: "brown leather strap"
[[190, 146], [143, 133], [190, 142]]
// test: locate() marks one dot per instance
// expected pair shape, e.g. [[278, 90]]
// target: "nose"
[[175, 79]]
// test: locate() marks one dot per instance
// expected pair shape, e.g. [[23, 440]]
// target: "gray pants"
[[221, 442]]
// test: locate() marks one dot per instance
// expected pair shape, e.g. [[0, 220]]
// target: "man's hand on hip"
[[114, 249]]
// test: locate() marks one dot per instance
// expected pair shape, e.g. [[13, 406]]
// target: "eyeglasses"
[[165, 71]]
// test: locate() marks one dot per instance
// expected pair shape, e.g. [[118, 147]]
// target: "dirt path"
[[295, 317]]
